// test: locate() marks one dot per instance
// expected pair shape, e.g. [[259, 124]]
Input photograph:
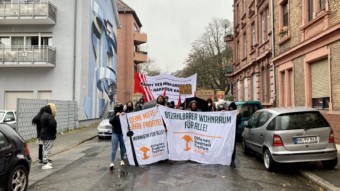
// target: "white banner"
[[149, 139], [153, 86], [204, 137]]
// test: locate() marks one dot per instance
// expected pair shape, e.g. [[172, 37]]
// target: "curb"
[[319, 181]]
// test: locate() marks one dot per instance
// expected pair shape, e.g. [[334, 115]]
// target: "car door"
[[5, 155], [248, 134], [259, 131]]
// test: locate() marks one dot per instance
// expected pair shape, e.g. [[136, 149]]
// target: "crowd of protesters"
[[119, 109]]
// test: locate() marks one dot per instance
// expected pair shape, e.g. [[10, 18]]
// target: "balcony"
[[140, 38], [26, 13], [27, 56], [140, 57]]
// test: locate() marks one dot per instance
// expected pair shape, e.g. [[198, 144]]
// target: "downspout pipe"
[[273, 50], [74, 50]]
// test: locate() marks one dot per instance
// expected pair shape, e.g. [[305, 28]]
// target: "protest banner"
[[153, 86], [149, 139], [204, 137]]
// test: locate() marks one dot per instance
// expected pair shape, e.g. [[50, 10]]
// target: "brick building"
[[129, 51], [307, 59], [253, 71]]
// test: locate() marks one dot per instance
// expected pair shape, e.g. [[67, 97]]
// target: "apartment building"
[[130, 53], [253, 72], [59, 50], [307, 59]]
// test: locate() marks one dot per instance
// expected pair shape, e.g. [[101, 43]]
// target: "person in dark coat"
[[36, 122], [117, 136], [129, 107], [232, 106], [48, 133], [210, 105], [160, 100], [193, 106]]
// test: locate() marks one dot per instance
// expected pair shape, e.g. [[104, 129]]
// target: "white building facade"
[[59, 50]]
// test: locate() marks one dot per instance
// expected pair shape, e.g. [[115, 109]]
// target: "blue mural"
[[102, 58]]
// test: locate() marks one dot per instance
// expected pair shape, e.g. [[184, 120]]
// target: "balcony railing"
[[27, 56], [140, 57], [27, 13]]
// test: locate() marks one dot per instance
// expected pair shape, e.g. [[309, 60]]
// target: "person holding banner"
[[232, 106], [117, 136], [193, 106]]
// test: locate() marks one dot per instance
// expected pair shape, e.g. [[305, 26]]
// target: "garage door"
[[11, 98]]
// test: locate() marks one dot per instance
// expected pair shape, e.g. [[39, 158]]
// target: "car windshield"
[[301, 120], [247, 110], [109, 115]]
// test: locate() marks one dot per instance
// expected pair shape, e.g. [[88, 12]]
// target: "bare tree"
[[209, 58], [149, 68]]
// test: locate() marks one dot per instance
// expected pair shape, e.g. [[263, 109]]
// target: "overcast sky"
[[172, 25]]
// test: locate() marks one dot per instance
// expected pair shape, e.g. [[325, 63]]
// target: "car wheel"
[[18, 179], [268, 161], [245, 148], [330, 164]]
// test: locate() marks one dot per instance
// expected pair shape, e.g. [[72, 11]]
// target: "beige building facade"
[[253, 71], [307, 59]]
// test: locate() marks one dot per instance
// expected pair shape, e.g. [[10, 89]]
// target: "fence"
[[66, 116]]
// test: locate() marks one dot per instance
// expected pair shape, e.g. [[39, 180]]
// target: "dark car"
[[246, 109], [15, 160]]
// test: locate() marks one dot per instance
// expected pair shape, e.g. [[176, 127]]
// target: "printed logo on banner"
[[145, 151], [187, 140]]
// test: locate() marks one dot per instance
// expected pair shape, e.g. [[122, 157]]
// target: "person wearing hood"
[[36, 122], [210, 105], [117, 135], [232, 106], [129, 107], [160, 100], [193, 106], [48, 133]]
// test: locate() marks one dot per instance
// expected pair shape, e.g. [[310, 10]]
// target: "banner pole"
[[132, 147]]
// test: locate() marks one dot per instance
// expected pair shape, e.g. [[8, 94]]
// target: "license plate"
[[305, 140]]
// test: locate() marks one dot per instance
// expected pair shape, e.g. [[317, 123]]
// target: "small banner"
[[149, 139], [204, 137]]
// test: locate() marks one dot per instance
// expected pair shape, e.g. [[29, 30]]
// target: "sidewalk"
[[327, 179]]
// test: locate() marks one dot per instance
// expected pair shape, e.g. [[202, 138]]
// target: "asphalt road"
[[85, 167]]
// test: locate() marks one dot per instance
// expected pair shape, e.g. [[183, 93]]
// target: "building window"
[[322, 4], [253, 35], [320, 84], [285, 14], [310, 9], [244, 45], [264, 19], [254, 87], [238, 90], [237, 51], [268, 20], [245, 89], [265, 85]]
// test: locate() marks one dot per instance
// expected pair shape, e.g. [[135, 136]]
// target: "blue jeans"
[[115, 139]]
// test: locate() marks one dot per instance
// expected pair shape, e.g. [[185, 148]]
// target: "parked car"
[[246, 110], [9, 117], [289, 135], [15, 160], [105, 128]]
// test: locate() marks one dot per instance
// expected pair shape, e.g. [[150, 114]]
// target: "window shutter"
[[320, 79]]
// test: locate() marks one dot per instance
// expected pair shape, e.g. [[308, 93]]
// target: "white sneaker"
[[47, 166], [111, 166], [122, 163]]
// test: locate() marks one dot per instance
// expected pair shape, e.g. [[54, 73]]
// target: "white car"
[[105, 128], [9, 117]]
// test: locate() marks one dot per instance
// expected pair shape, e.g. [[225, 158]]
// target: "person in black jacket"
[[48, 132], [232, 106], [36, 122], [117, 136]]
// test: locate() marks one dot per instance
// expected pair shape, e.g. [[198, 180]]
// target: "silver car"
[[289, 135], [105, 128]]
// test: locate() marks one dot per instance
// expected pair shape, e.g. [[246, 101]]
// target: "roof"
[[124, 8], [281, 110]]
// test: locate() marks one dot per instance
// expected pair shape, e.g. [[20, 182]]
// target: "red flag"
[[179, 102], [164, 92], [194, 93], [211, 98], [139, 88]]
